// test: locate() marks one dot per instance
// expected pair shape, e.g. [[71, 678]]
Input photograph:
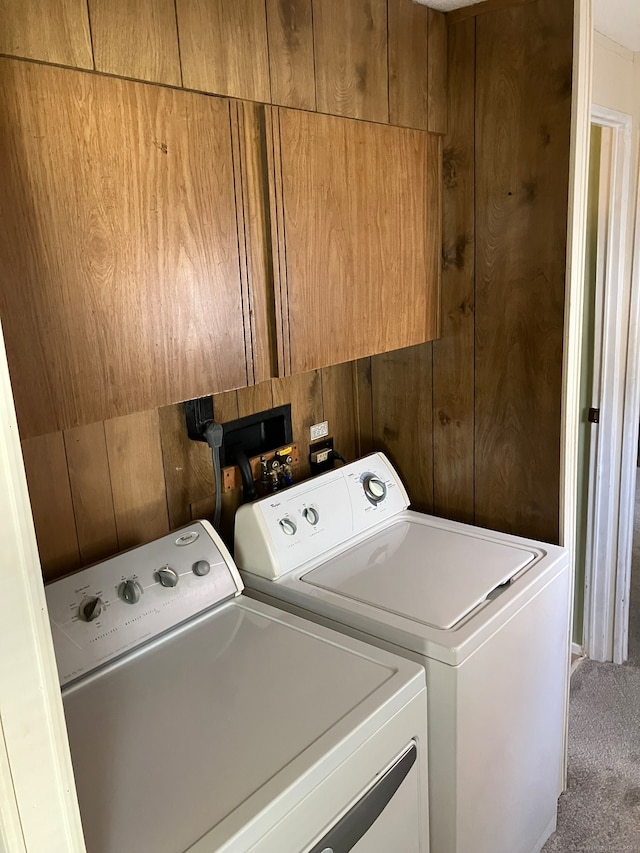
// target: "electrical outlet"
[[320, 456], [319, 430]]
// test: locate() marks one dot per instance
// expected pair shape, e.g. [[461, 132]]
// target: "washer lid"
[[427, 574], [202, 730]]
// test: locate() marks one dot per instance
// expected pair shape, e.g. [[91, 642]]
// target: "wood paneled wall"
[[101, 488], [378, 60], [105, 486], [473, 420]]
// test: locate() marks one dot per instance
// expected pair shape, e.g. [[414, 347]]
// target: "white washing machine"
[[200, 720], [486, 614]]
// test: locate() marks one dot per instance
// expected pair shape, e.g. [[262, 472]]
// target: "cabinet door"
[[358, 219], [120, 282]]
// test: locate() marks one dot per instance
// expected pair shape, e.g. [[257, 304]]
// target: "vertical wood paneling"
[[223, 47], [45, 464], [187, 465], [523, 107], [137, 478], [48, 30], [438, 76], [363, 403], [118, 234], [453, 353], [350, 42], [408, 64], [136, 38], [290, 30], [339, 409], [90, 480], [304, 392], [255, 398], [402, 417], [225, 406]]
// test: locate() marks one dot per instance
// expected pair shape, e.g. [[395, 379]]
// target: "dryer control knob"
[[288, 526], [130, 591], [374, 488], [201, 568], [167, 576], [91, 608], [311, 514]]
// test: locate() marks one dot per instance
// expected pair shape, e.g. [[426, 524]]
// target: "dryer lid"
[[421, 572]]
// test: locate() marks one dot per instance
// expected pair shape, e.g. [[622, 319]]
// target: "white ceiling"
[[618, 20]]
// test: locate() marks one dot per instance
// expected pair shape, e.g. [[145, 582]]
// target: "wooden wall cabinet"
[[124, 284], [356, 218]]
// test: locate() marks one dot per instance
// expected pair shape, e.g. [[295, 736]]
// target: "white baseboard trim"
[[576, 649]]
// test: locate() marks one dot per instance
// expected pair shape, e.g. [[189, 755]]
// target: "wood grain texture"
[[350, 41], [223, 47], [291, 62], [254, 240], [453, 353], [339, 409], [118, 234], [363, 403], [357, 253], [188, 468], [402, 418], [136, 38], [304, 392], [278, 244], [49, 30], [408, 64], [137, 478], [438, 75], [45, 464], [188, 472], [90, 479], [255, 398], [466, 12], [523, 110]]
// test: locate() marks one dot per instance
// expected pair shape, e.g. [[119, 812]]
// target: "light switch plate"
[[319, 430]]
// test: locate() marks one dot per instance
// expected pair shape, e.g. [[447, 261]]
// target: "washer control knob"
[[91, 608], [130, 591], [288, 525], [167, 576], [311, 514], [201, 568], [374, 488]]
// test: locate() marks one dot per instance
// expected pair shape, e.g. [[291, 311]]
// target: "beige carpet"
[[600, 811]]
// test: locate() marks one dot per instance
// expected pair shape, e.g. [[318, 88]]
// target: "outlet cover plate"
[[319, 430]]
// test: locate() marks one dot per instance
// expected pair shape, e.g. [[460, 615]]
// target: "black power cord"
[[213, 436], [335, 455]]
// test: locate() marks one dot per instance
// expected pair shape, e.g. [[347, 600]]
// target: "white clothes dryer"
[[202, 721], [487, 615]]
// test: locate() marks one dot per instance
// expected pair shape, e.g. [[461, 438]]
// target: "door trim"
[[38, 810], [574, 296], [604, 555], [630, 416]]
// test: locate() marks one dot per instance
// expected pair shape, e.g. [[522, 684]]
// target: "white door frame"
[[38, 805], [630, 415], [608, 483]]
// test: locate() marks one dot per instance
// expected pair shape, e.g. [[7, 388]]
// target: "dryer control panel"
[[105, 610], [283, 532]]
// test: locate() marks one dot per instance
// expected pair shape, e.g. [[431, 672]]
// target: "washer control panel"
[[105, 610], [283, 532]]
